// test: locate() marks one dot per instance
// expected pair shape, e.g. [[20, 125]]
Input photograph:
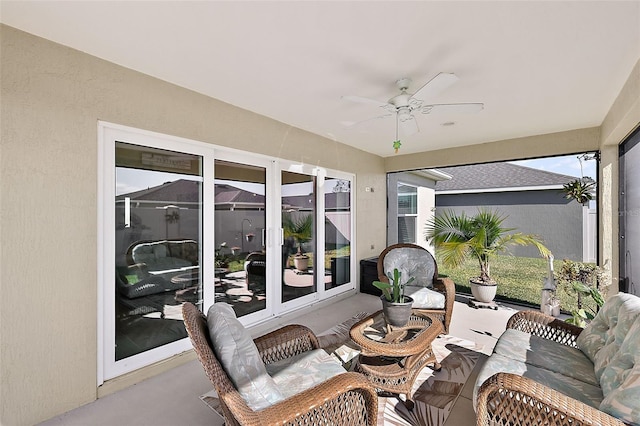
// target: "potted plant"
[[301, 230], [395, 305], [581, 190], [580, 282], [223, 256], [458, 237]]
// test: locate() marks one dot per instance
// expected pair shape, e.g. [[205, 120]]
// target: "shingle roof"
[[231, 194], [180, 190], [498, 175]]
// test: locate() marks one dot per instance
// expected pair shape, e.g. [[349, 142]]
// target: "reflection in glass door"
[[299, 269], [240, 223], [158, 234], [337, 241]]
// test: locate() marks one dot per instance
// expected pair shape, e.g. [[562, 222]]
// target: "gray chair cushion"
[[412, 262], [240, 358], [304, 371]]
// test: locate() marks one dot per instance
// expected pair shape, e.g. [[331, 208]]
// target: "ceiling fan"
[[404, 104]]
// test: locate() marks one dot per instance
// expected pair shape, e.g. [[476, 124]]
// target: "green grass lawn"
[[520, 279]]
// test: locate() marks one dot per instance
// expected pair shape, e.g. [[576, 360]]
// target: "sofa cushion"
[[620, 380], [240, 358], [303, 371], [602, 337], [541, 352], [576, 389], [425, 298]]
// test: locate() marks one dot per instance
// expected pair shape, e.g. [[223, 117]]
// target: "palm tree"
[[458, 237], [301, 230]]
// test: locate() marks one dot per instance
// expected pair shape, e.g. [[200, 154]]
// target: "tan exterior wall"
[[51, 100]]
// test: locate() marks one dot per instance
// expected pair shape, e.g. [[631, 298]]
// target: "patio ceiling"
[[539, 67]]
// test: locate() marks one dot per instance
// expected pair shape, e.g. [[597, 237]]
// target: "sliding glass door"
[[240, 230], [183, 221], [299, 263], [337, 234], [157, 245]]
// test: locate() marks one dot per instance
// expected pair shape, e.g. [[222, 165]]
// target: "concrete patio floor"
[[173, 397]]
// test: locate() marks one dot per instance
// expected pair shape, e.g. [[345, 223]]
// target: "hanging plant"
[[396, 145], [581, 190]]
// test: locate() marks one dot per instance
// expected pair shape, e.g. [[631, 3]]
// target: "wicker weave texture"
[[347, 399], [509, 399], [393, 366], [542, 325]]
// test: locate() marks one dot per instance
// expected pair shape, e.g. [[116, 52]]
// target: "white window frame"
[[414, 215]]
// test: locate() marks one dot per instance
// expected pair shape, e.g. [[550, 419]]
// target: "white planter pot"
[[483, 292], [301, 263]]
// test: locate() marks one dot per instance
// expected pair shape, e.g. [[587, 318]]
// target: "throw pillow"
[[240, 358], [620, 380], [602, 337]]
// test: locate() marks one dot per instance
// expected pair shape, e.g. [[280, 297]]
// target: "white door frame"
[[108, 134]]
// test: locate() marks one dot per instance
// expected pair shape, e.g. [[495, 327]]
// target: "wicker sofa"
[[164, 256], [545, 371]]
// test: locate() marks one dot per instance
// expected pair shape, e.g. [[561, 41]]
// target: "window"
[[407, 213]]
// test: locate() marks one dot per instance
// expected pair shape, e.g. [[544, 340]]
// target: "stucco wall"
[[51, 100]]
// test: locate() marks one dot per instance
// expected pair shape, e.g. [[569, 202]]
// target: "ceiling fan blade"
[[453, 108], [436, 85], [361, 122], [409, 126], [363, 100]]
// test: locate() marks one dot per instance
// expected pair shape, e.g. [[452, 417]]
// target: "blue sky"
[[566, 165]]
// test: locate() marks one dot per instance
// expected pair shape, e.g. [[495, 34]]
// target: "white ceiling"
[[539, 67]]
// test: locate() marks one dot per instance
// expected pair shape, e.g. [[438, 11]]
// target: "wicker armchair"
[[414, 259], [507, 398], [347, 399]]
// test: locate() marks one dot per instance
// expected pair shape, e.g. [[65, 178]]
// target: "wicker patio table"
[[392, 357]]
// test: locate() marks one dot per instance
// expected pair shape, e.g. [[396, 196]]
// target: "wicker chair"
[[346, 399], [414, 259], [510, 399]]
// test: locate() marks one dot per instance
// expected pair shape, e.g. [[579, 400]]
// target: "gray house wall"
[[545, 213]]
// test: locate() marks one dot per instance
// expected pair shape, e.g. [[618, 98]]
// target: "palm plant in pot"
[[395, 305], [301, 230], [458, 237]]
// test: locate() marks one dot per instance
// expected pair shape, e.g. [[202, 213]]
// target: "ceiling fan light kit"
[[404, 104]]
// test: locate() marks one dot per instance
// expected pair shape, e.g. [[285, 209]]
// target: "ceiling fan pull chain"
[[396, 143]]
